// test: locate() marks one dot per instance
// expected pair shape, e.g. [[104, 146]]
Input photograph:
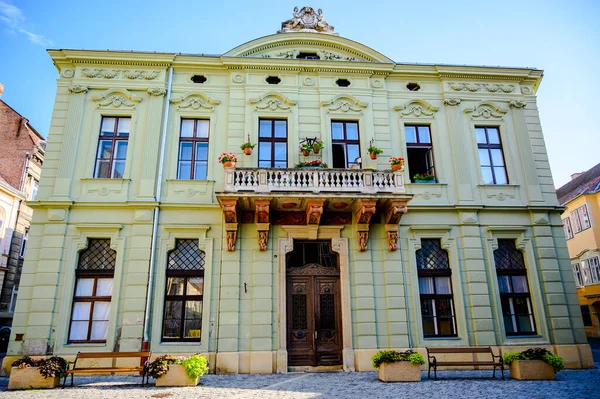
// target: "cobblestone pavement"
[[450, 384]]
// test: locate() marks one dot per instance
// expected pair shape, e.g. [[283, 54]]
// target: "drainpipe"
[[149, 290], [409, 327]]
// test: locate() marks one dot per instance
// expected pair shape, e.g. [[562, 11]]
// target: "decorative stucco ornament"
[[76, 89], [307, 20]]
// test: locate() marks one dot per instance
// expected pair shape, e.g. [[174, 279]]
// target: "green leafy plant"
[[247, 145], [536, 354], [305, 147], [318, 145], [195, 365], [392, 356], [313, 163], [374, 150], [53, 367], [426, 176]]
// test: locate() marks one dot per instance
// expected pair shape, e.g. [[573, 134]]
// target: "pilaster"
[[151, 144]]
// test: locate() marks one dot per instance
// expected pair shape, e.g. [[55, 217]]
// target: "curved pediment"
[[195, 101], [290, 45], [273, 102]]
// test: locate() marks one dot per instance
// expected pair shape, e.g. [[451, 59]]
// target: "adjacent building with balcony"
[[141, 237], [581, 221]]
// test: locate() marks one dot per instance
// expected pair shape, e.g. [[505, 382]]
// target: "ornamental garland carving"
[[517, 103], [196, 101], [345, 104], [99, 73], [417, 108], [323, 55], [157, 91], [486, 110], [76, 89], [117, 98], [451, 102], [273, 102], [474, 87]]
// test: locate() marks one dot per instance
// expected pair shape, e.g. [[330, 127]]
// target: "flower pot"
[[397, 166], [175, 377], [305, 153], [373, 155], [399, 372], [531, 370], [229, 164], [316, 150], [425, 181], [248, 150], [30, 378]]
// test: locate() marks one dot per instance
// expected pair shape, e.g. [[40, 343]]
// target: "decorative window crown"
[[97, 256], [431, 256], [186, 256]]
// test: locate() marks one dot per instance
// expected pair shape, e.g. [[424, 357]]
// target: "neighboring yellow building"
[[141, 237], [581, 222]]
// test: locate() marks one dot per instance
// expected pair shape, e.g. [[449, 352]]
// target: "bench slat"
[[466, 363], [105, 370], [460, 350], [109, 355]]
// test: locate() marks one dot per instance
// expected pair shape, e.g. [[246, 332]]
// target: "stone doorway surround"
[[338, 245]]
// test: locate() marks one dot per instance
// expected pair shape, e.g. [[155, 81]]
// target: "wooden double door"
[[314, 336]]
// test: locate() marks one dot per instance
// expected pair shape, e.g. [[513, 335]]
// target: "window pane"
[[185, 169], [444, 308], [337, 131], [352, 131], [104, 287], [446, 326], [200, 170], [185, 151], [102, 169], [424, 136], [264, 129], [480, 133], [497, 157], [123, 127], [101, 311], [173, 309], [500, 175], [193, 310], [519, 284], [267, 164], [486, 173], [108, 127], [493, 136], [99, 330], [202, 128], [264, 151], [504, 283], [81, 311], [484, 157], [525, 324], [353, 152], [104, 149], [411, 134], [201, 151], [187, 128], [281, 164], [195, 285], [79, 331], [280, 151], [442, 285], [118, 169], [121, 152], [171, 328], [85, 287], [426, 285], [281, 129], [175, 285]]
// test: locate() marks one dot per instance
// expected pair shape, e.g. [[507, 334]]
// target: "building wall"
[[241, 322]]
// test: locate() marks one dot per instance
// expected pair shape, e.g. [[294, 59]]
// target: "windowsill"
[[498, 185], [426, 184], [523, 336], [442, 338], [190, 181], [184, 343], [105, 179], [84, 344]]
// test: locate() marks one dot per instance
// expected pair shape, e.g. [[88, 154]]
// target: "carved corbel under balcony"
[[365, 210], [393, 214], [362, 232], [391, 230], [314, 210], [231, 233], [230, 212], [263, 235], [262, 208]]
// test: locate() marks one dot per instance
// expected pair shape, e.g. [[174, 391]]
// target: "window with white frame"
[[577, 274], [24, 243], [594, 265], [581, 219], [567, 228], [13, 299], [491, 156], [586, 275], [34, 190]]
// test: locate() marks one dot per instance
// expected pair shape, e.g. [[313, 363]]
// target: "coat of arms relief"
[[307, 20]]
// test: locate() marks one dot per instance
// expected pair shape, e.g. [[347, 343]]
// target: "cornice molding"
[[417, 108]]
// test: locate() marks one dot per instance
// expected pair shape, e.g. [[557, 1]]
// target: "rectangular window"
[[491, 157], [93, 293], [567, 228], [594, 265], [515, 298], [182, 317], [24, 243], [272, 143], [112, 147], [581, 219], [586, 315], [13, 299], [585, 272], [577, 274], [345, 144], [192, 162], [419, 150], [34, 190], [435, 290]]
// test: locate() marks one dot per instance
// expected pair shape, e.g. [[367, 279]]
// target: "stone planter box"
[[30, 378], [175, 377], [531, 370], [400, 372]]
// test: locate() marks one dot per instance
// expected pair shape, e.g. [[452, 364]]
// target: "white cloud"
[[13, 18]]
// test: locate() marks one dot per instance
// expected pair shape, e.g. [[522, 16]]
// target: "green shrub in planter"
[[393, 356], [536, 354]]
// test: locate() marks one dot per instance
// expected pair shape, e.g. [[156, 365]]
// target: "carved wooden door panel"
[[314, 335]]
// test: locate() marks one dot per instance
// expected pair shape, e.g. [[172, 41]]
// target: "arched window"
[[182, 317], [435, 289], [93, 292], [517, 311]]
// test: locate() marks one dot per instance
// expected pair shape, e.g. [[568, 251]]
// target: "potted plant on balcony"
[[317, 146], [311, 164], [228, 159], [533, 364], [172, 371], [305, 148], [397, 366], [426, 178], [374, 151], [27, 373], [397, 163], [247, 147]]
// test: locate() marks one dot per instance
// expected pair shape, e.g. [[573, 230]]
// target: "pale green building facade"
[[276, 266]]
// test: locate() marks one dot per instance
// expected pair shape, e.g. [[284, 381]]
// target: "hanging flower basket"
[[374, 151], [247, 147], [228, 159], [317, 146]]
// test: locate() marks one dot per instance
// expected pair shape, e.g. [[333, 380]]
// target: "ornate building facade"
[[142, 237]]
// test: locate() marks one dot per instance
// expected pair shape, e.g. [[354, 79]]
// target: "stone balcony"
[[313, 180]]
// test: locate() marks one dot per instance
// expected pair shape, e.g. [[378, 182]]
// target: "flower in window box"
[[426, 177], [311, 164], [397, 163], [228, 159]]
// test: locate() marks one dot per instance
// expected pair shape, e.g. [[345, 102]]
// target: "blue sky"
[[560, 37]]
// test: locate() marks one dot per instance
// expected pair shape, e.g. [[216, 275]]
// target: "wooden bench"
[[144, 356], [434, 363]]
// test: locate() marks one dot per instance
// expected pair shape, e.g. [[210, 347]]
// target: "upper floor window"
[[435, 289], [581, 219], [567, 228], [491, 157], [590, 271], [272, 143], [182, 318], [419, 150], [193, 149], [112, 147], [587, 317], [24, 243], [515, 298], [345, 144], [577, 275], [93, 292], [34, 189]]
